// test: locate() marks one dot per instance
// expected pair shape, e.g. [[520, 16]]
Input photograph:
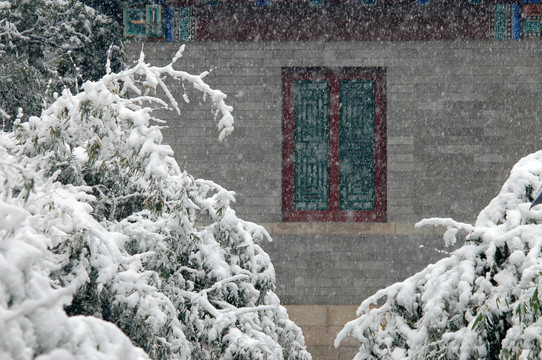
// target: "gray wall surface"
[[459, 115], [345, 269]]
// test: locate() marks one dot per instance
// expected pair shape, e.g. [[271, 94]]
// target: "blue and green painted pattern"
[[531, 24], [519, 20], [501, 23], [154, 21], [185, 23], [158, 22], [144, 22], [135, 22]]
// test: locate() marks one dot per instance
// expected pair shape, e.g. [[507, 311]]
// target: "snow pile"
[[480, 302], [109, 251]]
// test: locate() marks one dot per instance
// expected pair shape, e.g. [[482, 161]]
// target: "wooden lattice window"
[[334, 146]]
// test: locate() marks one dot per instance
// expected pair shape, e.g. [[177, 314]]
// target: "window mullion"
[[334, 145]]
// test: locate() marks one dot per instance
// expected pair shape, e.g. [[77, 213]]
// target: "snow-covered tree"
[[99, 226], [481, 302], [49, 45]]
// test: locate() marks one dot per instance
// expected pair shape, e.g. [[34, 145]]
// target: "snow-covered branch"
[[111, 224], [481, 301], [152, 78]]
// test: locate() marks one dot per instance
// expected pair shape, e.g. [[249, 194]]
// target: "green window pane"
[[311, 145], [357, 151]]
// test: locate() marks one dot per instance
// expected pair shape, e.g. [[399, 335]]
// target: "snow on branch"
[[482, 301], [112, 229], [153, 78], [452, 225]]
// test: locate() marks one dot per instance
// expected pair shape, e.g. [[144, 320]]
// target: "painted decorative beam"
[[333, 20]]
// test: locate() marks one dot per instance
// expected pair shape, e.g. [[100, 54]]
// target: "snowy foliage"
[[49, 45], [99, 226], [481, 302]]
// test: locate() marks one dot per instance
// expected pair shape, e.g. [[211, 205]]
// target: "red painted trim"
[[289, 213], [288, 144], [381, 145]]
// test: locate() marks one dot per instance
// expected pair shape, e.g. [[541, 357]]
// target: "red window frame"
[[334, 213]]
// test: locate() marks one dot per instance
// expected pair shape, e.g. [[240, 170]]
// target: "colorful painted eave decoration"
[[516, 20], [531, 22], [158, 23], [177, 20], [143, 22]]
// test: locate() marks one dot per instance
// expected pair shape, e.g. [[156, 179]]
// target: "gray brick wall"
[[459, 115], [345, 269]]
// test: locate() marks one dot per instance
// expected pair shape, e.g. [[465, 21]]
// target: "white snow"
[[97, 220], [487, 289]]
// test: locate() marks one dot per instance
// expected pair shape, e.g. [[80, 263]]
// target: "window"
[[334, 145]]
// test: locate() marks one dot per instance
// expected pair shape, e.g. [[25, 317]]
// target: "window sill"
[[331, 228]]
